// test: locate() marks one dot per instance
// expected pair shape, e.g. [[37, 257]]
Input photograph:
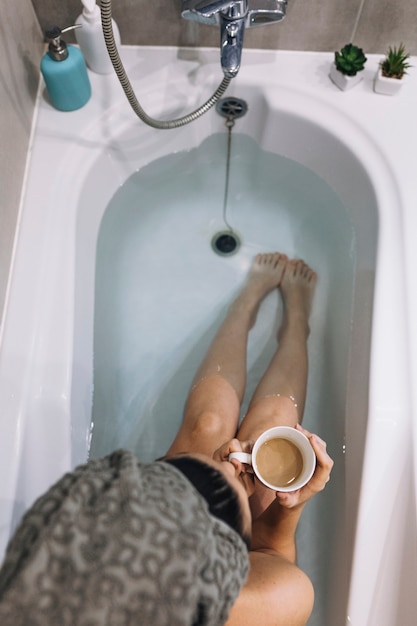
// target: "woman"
[[166, 543]]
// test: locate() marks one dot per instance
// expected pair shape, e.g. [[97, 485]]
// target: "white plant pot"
[[385, 85], [342, 81]]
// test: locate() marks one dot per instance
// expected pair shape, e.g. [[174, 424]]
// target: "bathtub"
[[115, 227]]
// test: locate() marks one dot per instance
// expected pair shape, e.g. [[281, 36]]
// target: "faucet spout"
[[231, 44]]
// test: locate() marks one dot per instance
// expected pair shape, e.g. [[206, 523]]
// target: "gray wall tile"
[[385, 23], [324, 25], [20, 52], [318, 26]]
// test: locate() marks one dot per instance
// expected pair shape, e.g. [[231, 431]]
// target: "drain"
[[231, 108], [225, 243]]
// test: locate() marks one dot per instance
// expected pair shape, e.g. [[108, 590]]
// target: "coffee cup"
[[282, 458]]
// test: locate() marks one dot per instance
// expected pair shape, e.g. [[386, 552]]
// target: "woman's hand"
[[241, 470], [319, 479], [234, 445]]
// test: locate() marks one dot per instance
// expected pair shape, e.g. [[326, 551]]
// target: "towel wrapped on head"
[[121, 543]]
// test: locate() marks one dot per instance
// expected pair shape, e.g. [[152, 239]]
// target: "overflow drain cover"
[[231, 108]]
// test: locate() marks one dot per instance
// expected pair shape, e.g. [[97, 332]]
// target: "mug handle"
[[243, 457]]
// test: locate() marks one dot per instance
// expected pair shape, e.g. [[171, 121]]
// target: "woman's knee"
[[266, 413], [211, 426]]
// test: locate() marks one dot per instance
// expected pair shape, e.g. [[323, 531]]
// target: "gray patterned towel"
[[121, 543]]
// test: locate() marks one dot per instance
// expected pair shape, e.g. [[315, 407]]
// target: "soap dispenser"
[[65, 73], [90, 38]]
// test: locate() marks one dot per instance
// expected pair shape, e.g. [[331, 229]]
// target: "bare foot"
[[297, 288], [266, 274]]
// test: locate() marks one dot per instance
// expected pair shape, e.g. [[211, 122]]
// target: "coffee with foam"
[[279, 462]]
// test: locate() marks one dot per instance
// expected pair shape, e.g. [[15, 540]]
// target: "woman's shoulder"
[[276, 592]]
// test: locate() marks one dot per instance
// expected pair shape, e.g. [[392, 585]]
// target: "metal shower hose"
[[106, 17]]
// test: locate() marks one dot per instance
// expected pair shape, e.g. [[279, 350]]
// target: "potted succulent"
[[391, 71], [346, 71]]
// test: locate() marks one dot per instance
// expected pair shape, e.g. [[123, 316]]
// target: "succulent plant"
[[395, 64], [350, 60]]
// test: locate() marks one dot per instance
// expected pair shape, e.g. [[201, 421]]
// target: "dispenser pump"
[[90, 6], [58, 49]]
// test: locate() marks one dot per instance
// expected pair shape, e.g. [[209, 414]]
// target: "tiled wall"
[[309, 25], [20, 51]]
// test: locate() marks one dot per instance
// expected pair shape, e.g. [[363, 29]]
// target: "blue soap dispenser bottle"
[[65, 73]]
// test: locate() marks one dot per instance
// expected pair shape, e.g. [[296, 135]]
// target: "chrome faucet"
[[233, 16]]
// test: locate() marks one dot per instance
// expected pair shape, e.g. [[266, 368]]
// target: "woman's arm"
[[275, 528], [277, 592]]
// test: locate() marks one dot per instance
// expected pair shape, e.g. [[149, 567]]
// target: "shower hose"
[[106, 21]]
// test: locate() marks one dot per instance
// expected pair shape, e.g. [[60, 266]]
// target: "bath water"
[[161, 292]]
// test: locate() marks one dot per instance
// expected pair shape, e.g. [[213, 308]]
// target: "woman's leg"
[[280, 395], [213, 406]]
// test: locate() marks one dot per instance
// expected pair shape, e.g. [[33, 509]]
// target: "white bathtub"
[[363, 344]]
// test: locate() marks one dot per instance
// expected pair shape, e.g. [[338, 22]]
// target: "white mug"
[[282, 458]]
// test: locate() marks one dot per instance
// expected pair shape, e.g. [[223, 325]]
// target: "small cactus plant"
[[350, 60], [395, 64]]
